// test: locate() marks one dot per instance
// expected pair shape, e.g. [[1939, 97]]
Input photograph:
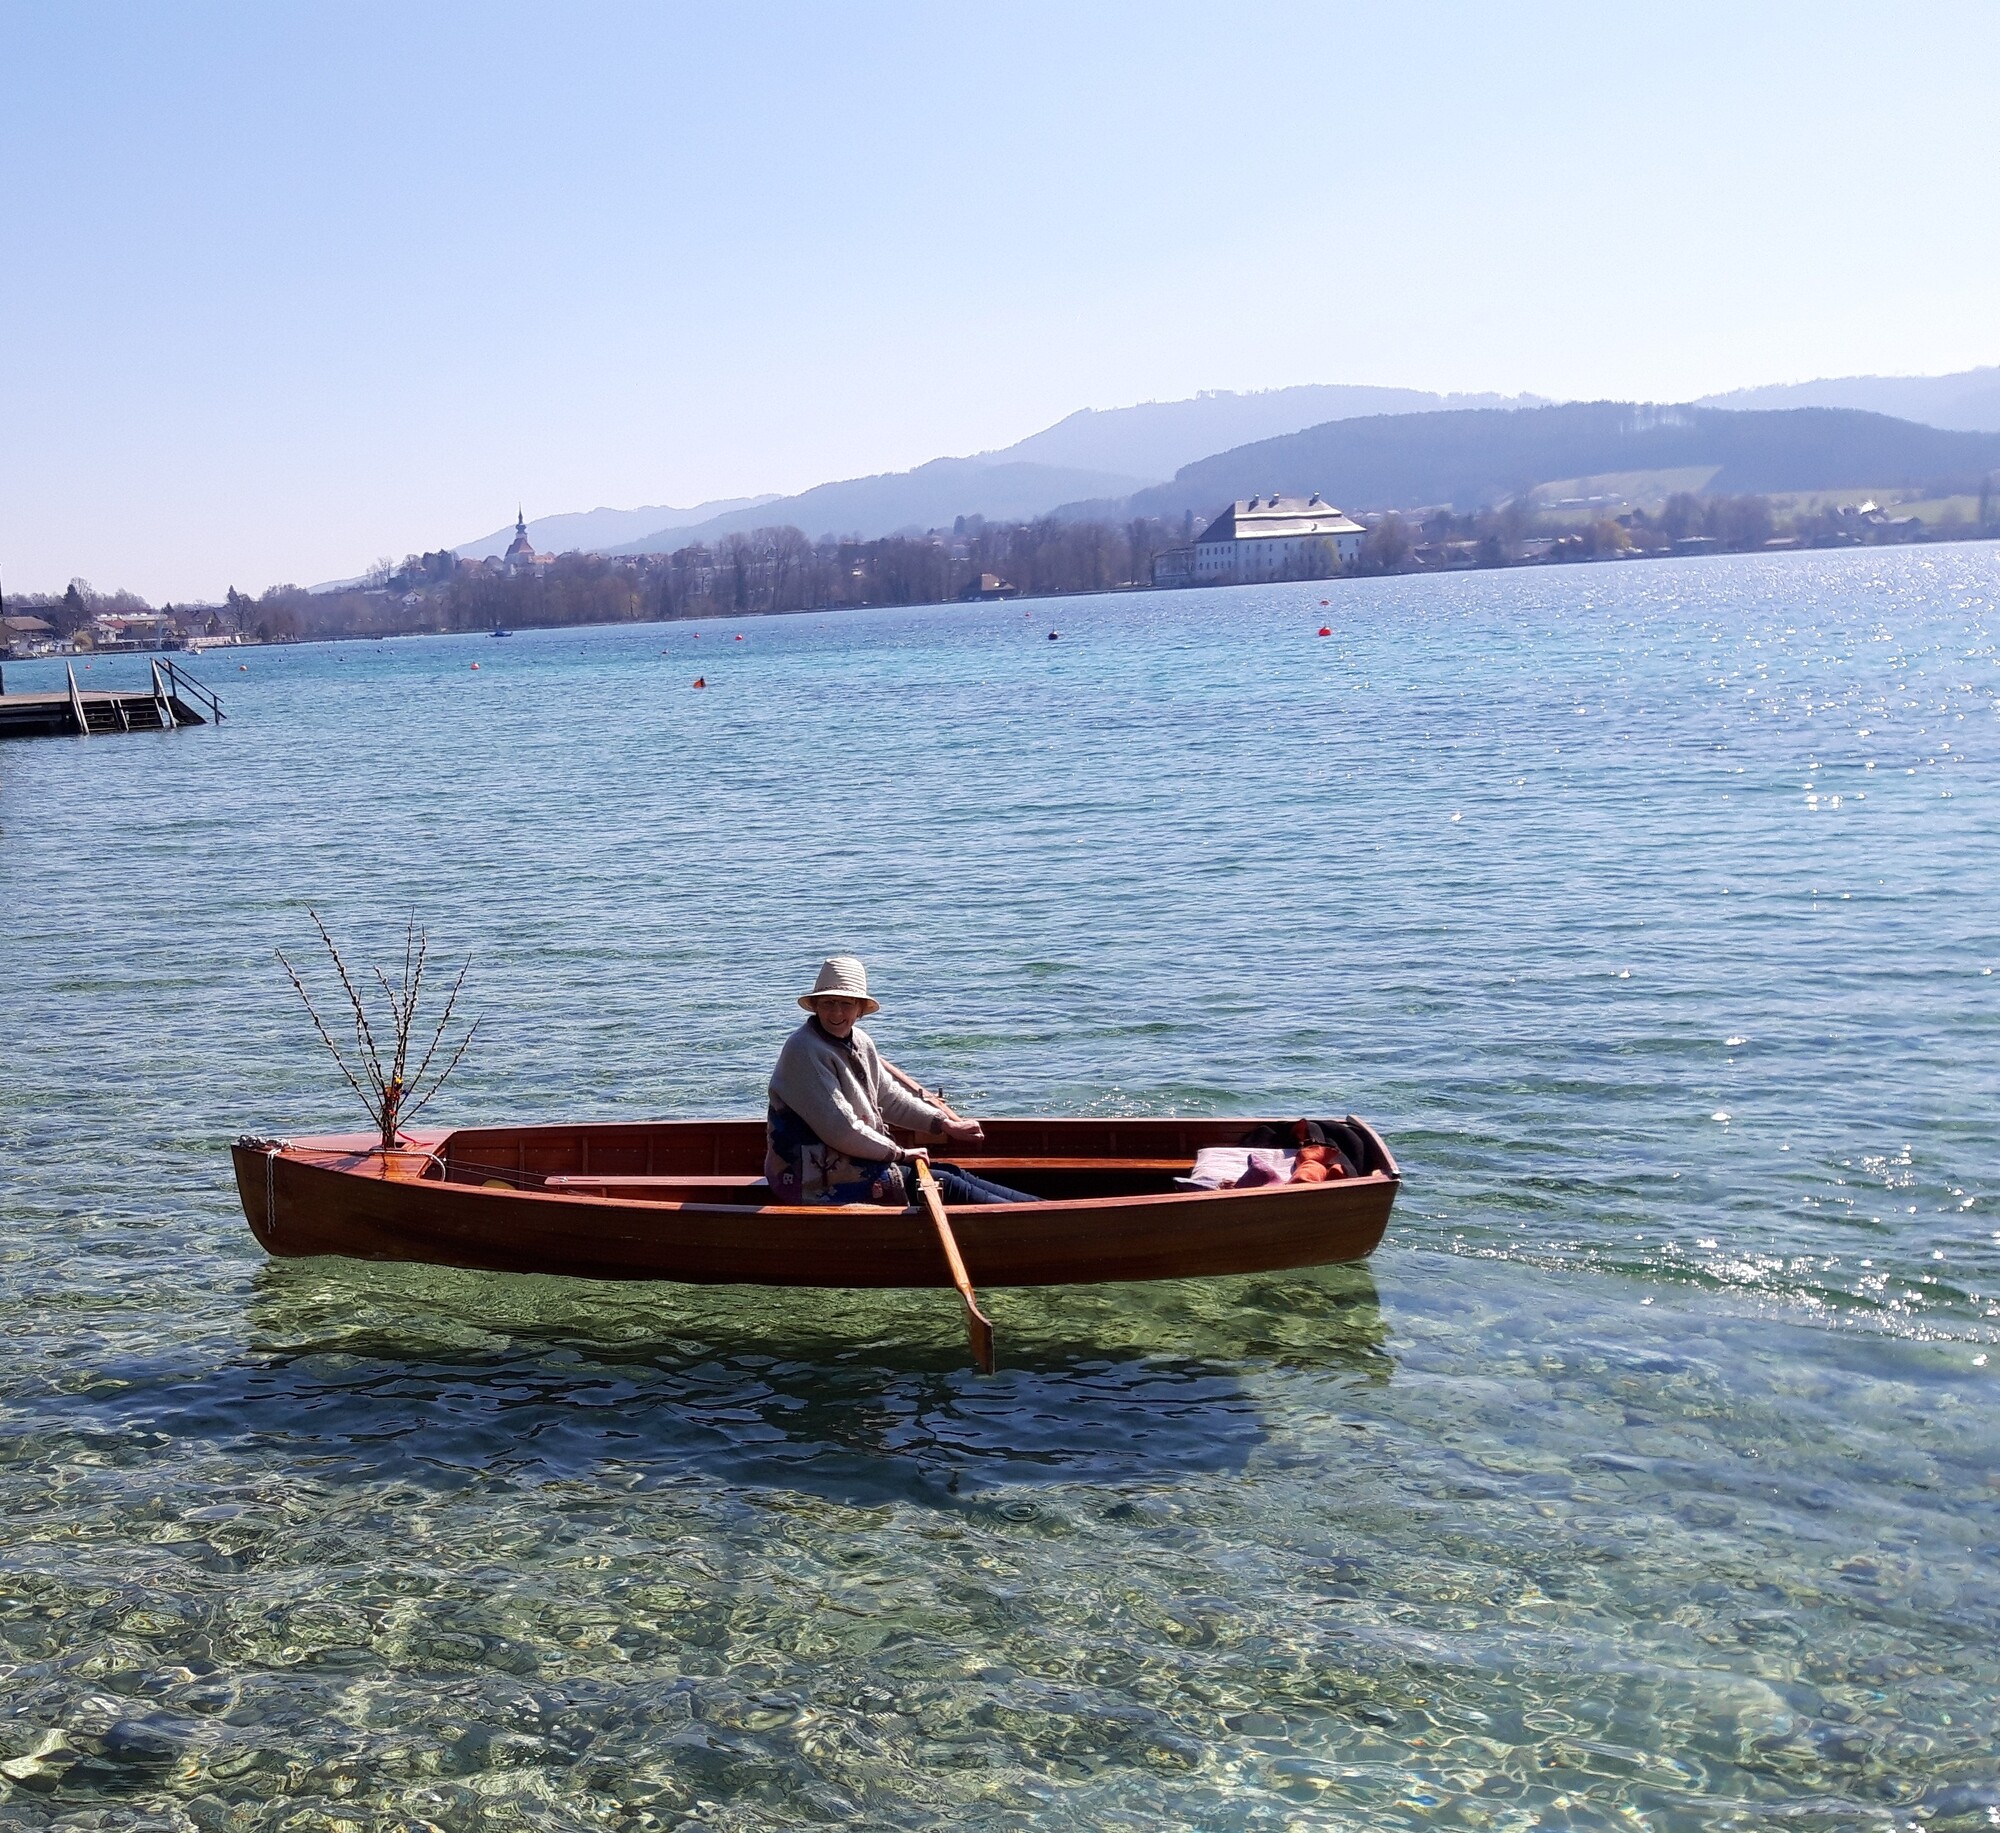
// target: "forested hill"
[[1485, 456]]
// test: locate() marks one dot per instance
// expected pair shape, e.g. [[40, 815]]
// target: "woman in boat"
[[834, 1098]]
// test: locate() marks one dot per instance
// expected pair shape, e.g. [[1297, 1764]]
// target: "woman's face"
[[837, 1015]]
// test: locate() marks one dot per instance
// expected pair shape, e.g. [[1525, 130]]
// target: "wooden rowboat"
[[686, 1200]]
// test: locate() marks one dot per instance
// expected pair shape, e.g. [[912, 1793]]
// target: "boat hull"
[[458, 1200]]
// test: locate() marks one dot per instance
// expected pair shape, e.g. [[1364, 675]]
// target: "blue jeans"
[[957, 1185]]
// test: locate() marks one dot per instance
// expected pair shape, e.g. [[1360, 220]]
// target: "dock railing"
[[179, 679], [163, 697]]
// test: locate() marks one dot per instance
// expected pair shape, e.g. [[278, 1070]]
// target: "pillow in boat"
[[1239, 1168], [1247, 1167]]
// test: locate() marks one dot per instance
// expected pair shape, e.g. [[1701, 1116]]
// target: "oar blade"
[[979, 1333]]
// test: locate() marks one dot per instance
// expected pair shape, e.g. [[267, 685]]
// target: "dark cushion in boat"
[[1352, 1142], [1345, 1141]]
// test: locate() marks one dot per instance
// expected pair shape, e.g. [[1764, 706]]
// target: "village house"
[[133, 630], [25, 635], [1276, 537]]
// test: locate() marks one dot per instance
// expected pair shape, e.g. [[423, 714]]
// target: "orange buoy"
[[475, 665], [1326, 630], [701, 680]]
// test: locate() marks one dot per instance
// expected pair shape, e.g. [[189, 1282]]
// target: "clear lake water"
[[1648, 1477]]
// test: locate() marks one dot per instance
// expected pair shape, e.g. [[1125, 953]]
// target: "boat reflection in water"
[[386, 1371]]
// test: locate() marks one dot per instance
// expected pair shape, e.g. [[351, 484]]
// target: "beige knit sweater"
[[846, 1094]]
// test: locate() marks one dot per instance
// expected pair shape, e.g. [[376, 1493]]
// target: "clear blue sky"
[[287, 287]]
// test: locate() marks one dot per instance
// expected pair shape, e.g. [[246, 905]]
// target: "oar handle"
[[978, 1330], [934, 1097]]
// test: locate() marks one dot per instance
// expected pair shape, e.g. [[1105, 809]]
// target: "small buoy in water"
[[739, 639], [1326, 601], [701, 680], [1326, 630], [243, 668], [1055, 635], [475, 665]]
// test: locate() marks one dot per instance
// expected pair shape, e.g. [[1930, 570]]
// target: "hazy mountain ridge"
[[1484, 456], [1114, 461], [1155, 439], [1103, 451], [931, 496], [1968, 401], [593, 530]]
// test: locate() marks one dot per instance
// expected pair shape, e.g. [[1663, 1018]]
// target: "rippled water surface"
[[1648, 1477]]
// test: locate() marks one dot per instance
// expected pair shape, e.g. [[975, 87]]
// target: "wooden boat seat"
[[604, 1185], [1046, 1176]]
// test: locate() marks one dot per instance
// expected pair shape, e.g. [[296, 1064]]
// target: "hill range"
[[1469, 459], [1366, 448], [1095, 452]]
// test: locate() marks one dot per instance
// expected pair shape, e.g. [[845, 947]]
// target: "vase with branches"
[[391, 1089]]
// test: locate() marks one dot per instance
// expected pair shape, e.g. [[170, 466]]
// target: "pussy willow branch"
[[326, 1037], [400, 1014], [394, 1100], [437, 1037], [371, 1057], [458, 1056]]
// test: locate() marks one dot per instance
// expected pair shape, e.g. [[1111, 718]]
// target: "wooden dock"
[[174, 699]]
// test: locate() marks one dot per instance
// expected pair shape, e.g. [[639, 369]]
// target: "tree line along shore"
[[780, 569]]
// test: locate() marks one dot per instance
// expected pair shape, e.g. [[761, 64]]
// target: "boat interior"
[[721, 1162]]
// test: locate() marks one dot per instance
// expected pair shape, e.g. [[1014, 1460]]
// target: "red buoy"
[[739, 639], [475, 665], [701, 680], [1325, 630]]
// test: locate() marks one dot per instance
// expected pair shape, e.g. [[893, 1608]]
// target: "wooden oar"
[[978, 1331], [934, 1096]]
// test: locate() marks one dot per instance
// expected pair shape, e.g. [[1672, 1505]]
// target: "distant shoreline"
[[1561, 560]]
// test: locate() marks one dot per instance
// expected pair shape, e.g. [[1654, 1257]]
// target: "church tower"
[[521, 552]]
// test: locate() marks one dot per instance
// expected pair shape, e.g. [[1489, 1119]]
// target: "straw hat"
[[841, 977]]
